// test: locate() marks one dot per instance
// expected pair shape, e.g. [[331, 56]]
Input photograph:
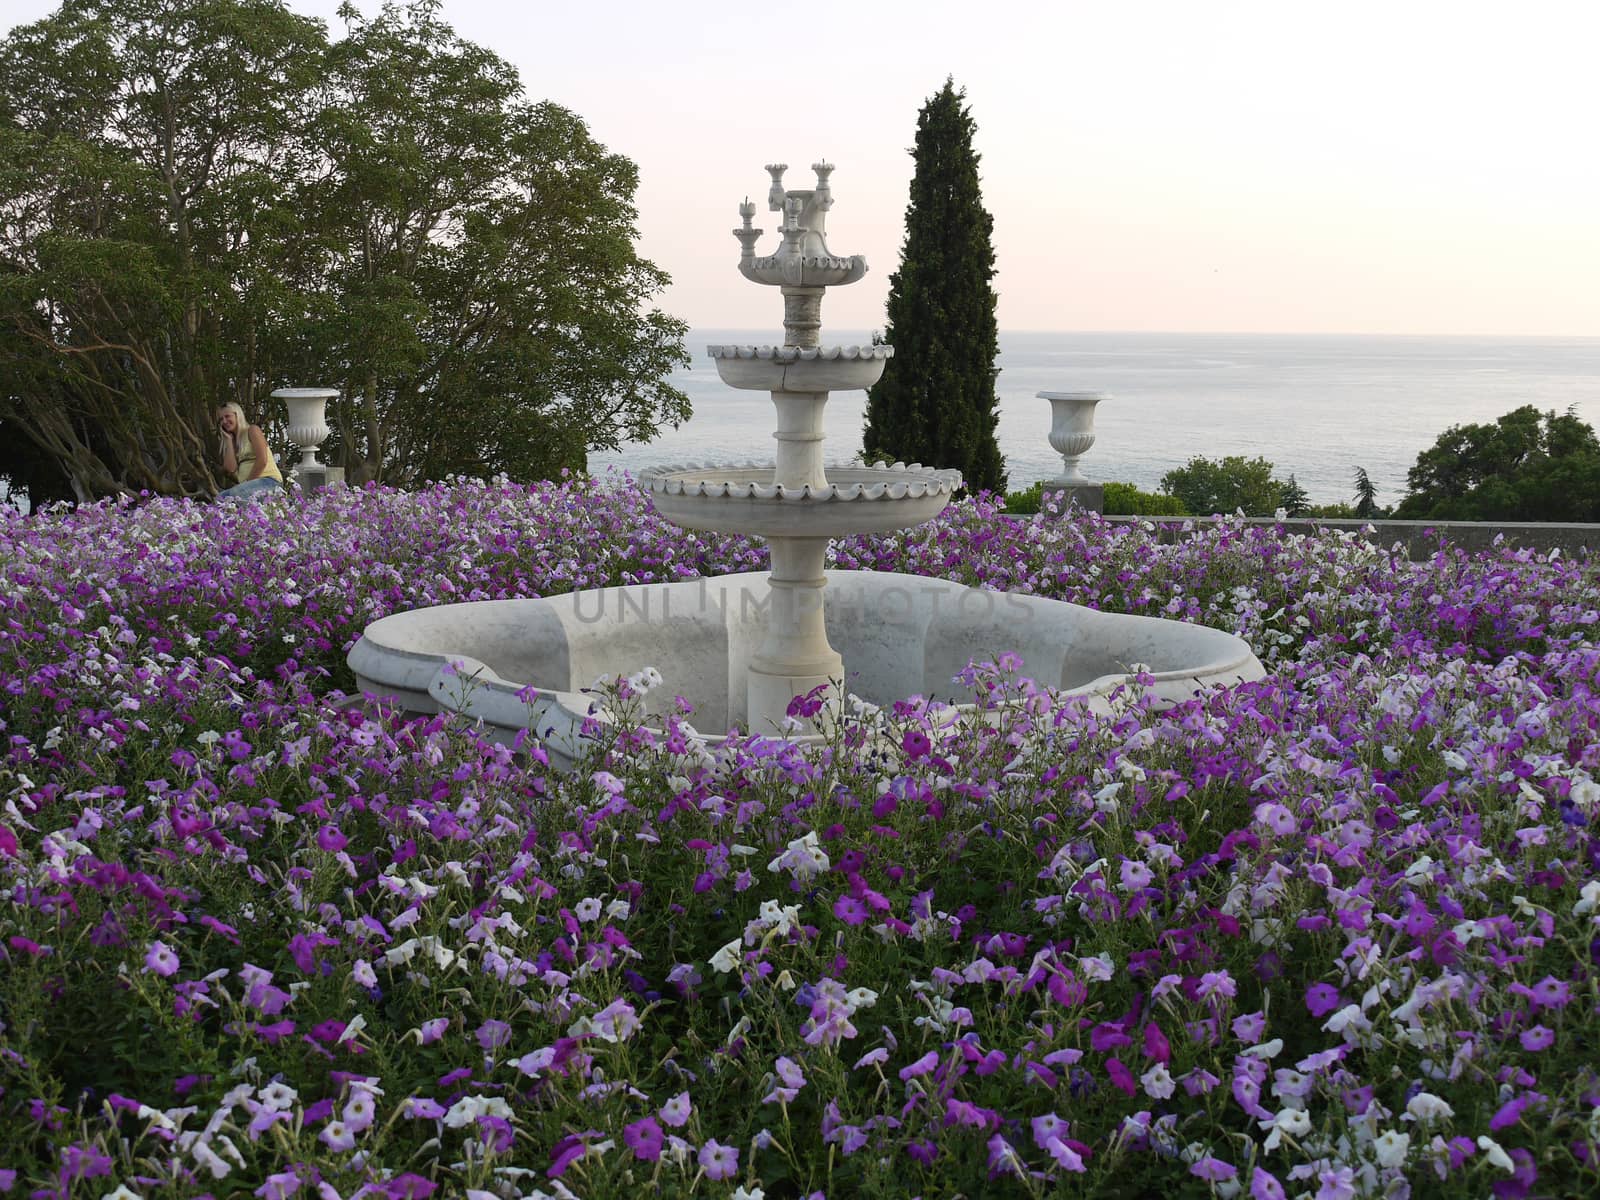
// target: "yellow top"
[[247, 463]]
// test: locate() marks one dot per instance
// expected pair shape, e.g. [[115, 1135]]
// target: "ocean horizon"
[[1315, 405]]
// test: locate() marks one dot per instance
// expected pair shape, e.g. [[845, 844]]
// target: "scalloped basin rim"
[[754, 482], [799, 353], [525, 664]]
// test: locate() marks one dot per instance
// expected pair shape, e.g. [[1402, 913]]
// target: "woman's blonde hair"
[[241, 427]]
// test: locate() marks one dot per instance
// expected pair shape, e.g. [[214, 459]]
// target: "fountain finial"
[[803, 260], [803, 266], [747, 234]]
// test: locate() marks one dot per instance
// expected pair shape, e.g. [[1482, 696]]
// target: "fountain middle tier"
[[852, 500], [800, 368]]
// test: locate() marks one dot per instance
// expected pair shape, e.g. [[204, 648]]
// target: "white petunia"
[[1496, 1155], [1391, 1147], [727, 958], [1425, 1106]]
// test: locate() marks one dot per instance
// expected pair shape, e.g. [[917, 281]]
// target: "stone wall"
[[1421, 538]]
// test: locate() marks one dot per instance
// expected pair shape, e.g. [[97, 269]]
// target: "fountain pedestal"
[[795, 657]]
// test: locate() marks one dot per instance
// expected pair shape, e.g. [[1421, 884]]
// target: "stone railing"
[[1072, 433], [1421, 538]]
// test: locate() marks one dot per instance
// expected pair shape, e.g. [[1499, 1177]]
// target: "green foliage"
[[1026, 502], [1339, 511], [1524, 467], [1124, 499], [1292, 498], [1366, 502], [1121, 499], [218, 200], [1205, 487], [936, 402]]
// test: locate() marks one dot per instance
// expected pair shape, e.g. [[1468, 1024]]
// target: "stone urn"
[[1071, 432], [308, 423]]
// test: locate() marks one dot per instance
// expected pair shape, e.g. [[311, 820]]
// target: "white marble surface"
[[899, 635]]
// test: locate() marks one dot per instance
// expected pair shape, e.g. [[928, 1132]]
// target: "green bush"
[[1206, 487], [1026, 502], [1121, 500], [1124, 499]]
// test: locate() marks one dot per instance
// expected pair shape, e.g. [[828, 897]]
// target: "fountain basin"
[[809, 369], [743, 499], [524, 664]]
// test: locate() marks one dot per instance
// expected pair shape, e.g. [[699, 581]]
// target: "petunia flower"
[[1264, 1185], [718, 1161], [675, 1112], [1538, 1037], [161, 959], [644, 1138], [1322, 999], [336, 1136]]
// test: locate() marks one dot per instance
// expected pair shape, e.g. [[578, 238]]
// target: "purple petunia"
[[644, 1138], [718, 1161]]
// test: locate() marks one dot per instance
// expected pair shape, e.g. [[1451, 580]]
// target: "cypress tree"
[[936, 402]]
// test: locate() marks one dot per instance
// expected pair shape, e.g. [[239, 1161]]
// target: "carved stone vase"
[[1071, 432], [308, 424]]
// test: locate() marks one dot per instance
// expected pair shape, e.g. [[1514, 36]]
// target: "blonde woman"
[[245, 456]]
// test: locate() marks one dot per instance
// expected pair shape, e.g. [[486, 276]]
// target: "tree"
[[936, 402], [1524, 467], [1292, 498], [219, 201], [1206, 487], [144, 145], [1366, 495], [486, 301]]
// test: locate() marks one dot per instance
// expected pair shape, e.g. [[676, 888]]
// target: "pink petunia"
[[161, 959], [1538, 1038], [850, 910], [1264, 1185], [1322, 999], [922, 1066], [675, 1112], [718, 1161]]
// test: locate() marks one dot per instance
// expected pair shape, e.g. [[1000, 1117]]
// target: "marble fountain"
[[741, 647]]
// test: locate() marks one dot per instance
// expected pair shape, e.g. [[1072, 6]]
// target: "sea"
[[1315, 406]]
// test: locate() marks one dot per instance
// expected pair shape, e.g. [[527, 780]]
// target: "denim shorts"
[[250, 489]]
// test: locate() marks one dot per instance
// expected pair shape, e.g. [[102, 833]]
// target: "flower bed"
[[1328, 935]]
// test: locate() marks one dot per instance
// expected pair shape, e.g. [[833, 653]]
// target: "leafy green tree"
[[1366, 504], [1339, 510], [1524, 467], [485, 302], [201, 200], [936, 402], [1206, 487], [146, 148]]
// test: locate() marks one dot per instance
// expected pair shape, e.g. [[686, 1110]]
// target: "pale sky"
[[1397, 167]]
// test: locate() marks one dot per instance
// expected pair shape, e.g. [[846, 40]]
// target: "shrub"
[[1124, 499], [1227, 486]]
